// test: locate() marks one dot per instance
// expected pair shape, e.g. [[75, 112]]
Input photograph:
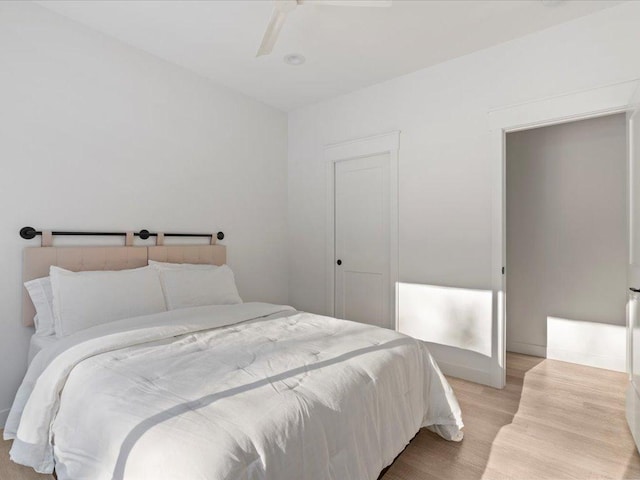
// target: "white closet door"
[[362, 235], [633, 270], [633, 276], [633, 129]]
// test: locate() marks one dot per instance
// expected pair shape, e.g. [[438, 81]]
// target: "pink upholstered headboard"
[[37, 260]]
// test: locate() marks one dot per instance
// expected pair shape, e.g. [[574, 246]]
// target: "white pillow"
[[42, 298], [194, 266], [85, 299], [185, 287]]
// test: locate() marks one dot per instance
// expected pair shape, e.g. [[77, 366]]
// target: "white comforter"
[[252, 391]]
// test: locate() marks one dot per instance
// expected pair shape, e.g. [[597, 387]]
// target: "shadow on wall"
[[456, 317]]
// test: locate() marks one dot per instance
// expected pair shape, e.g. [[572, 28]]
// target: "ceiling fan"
[[283, 7]]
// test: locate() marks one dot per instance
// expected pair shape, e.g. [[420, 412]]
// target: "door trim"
[[348, 150], [573, 106]]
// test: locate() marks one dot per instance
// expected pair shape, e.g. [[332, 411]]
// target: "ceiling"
[[346, 48]]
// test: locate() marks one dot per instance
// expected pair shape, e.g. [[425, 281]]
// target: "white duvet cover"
[[250, 391]]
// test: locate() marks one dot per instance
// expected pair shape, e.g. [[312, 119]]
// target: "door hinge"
[[503, 270]]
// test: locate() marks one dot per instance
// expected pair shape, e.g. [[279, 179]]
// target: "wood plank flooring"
[[13, 471], [554, 420]]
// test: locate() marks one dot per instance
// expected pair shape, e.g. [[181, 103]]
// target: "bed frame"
[[37, 260]]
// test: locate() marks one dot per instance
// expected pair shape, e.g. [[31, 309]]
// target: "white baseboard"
[[608, 362], [594, 344], [465, 373], [527, 349], [3, 416]]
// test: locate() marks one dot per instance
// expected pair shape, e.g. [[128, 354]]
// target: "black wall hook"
[[28, 233]]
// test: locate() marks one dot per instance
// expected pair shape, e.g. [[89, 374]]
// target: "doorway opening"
[[567, 241]]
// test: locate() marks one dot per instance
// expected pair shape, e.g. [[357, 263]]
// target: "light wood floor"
[[554, 420], [13, 471]]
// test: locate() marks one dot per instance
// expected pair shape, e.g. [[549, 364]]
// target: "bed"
[[38, 343], [233, 391]]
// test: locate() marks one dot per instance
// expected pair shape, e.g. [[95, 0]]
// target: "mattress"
[[235, 392], [40, 342]]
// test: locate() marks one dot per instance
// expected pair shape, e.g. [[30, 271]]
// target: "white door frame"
[[595, 102], [363, 147]]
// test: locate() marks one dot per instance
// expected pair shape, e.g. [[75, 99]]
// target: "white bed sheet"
[[40, 342], [252, 391]]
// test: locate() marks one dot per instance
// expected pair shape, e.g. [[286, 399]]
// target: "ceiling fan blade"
[[279, 15], [348, 3]]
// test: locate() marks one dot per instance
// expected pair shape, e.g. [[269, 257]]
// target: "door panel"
[[633, 276], [362, 240], [635, 339], [633, 270], [363, 294], [634, 198]]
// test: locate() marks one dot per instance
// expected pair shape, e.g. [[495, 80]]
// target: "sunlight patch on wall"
[[587, 343], [457, 317]]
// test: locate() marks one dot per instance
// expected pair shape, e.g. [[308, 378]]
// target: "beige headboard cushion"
[[37, 260], [212, 254]]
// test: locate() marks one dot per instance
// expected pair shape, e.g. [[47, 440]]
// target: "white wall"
[[97, 135], [566, 228], [445, 150]]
